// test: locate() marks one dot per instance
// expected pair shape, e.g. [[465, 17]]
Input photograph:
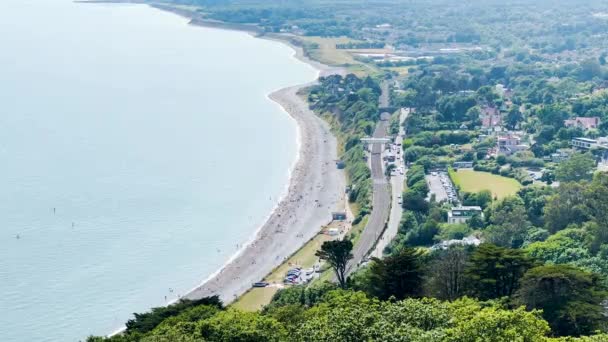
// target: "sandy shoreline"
[[316, 189]]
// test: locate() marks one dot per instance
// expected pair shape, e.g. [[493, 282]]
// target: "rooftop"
[[467, 208]]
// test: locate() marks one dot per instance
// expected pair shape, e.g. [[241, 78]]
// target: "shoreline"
[[315, 187]]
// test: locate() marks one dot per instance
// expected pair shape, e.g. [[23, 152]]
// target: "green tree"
[[494, 272], [145, 322], [233, 325], [305, 295], [566, 207], [398, 275], [509, 223], [497, 325], [569, 297], [514, 116], [423, 235], [596, 200], [446, 273], [578, 167], [337, 253]]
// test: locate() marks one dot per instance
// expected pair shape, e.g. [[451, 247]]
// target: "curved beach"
[[316, 189]]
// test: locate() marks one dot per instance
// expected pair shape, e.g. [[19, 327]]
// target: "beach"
[[316, 189]]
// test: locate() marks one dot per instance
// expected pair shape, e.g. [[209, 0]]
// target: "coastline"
[[312, 154], [315, 187]]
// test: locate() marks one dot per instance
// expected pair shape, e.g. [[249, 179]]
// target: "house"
[[467, 241], [490, 118], [584, 143], [584, 123], [463, 164], [560, 155], [509, 144], [463, 213]]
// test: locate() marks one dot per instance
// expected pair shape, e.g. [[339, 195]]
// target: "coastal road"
[[381, 201], [397, 189]]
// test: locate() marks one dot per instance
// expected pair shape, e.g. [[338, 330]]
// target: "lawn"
[[326, 51], [474, 181], [255, 299], [323, 49]]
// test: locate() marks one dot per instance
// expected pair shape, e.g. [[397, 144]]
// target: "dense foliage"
[[351, 104]]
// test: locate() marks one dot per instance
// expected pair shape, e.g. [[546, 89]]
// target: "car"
[[260, 284]]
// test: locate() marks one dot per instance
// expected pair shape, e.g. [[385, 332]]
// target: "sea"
[[137, 152]]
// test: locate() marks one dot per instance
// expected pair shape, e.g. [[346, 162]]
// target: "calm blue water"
[[135, 152]]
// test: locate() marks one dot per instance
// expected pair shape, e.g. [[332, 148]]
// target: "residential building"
[[490, 118], [584, 143], [509, 144], [463, 213], [467, 241], [561, 155], [584, 123], [463, 164]]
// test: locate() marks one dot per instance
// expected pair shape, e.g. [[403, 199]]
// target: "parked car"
[[260, 284]]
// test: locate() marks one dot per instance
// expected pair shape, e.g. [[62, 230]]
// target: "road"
[[381, 200], [397, 189]]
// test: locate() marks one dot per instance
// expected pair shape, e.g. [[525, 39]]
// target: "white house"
[[463, 214]]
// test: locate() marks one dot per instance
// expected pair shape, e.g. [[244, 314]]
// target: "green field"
[[474, 181]]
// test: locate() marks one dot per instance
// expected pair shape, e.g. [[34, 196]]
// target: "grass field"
[[326, 51], [255, 299], [323, 49], [474, 181]]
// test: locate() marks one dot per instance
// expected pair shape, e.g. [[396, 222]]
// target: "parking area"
[[441, 186], [297, 276]]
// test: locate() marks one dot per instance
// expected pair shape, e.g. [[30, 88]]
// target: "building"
[[467, 241], [560, 155], [463, 214], [463, 164], [584, 143], [490, 118], [509, 144], [584, 123]]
